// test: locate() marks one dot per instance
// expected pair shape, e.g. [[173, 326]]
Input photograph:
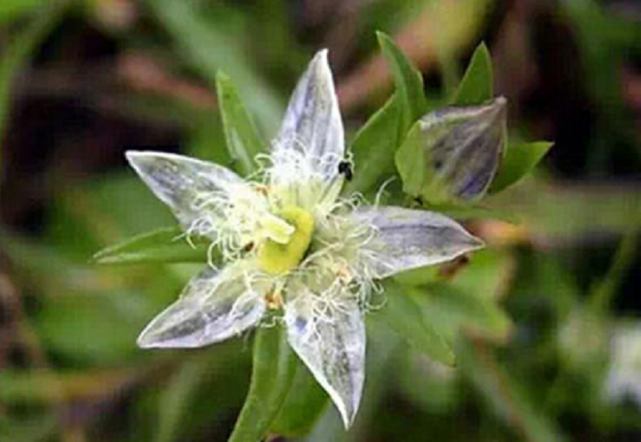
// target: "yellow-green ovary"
[[275, 258]]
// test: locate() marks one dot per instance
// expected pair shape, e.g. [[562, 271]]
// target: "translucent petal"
[[181, 182], [312, 122], [213, 307], [407, 238], [332, 346]]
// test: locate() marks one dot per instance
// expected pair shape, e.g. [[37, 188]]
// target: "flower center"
[[277, 257]]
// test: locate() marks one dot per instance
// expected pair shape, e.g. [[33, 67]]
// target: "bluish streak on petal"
[[312, 121], [408, 239], [332, 346], [182, 182], [461, 148], [213, 307]]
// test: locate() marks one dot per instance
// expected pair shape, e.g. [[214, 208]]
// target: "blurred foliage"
[[525, 324]]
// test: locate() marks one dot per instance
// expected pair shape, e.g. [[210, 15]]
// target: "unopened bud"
[[452, 154]]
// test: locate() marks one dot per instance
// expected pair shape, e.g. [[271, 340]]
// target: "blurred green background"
[[81, 81]]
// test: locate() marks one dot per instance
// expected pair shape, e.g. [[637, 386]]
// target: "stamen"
[[277, 258], [276, 228]]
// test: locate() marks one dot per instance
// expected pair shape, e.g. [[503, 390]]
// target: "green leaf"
[[243, 140], [409, 84], [520, 158], [410, 161], [303, 406], [477, 85], [162, 245], [450, 310], [273, 371], [402, 314], [374, 147]]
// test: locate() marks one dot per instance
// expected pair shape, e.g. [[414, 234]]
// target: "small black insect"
[[345, 168]]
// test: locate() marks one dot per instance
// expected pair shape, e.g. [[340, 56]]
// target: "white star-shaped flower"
[[291, 243]]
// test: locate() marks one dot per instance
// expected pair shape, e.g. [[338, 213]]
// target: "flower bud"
[[452, 154]]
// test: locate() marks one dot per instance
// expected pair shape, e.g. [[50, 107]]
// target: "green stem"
[[601, 296], [273, 370]]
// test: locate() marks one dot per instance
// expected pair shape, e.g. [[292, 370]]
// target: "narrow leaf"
[[305, 403], [477, 85], [243, 140], [409, 83], [411, 163], [162, 245], [402, 314], [273, 371], [519, 160], [374, 147]]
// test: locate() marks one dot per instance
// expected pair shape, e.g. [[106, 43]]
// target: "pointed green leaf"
[[162, 245], [374, 147], [402, 314], [409, 84], [273, 370], [477, 85], [520, 159], [410, 161], [305, 403], [243, 140]]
